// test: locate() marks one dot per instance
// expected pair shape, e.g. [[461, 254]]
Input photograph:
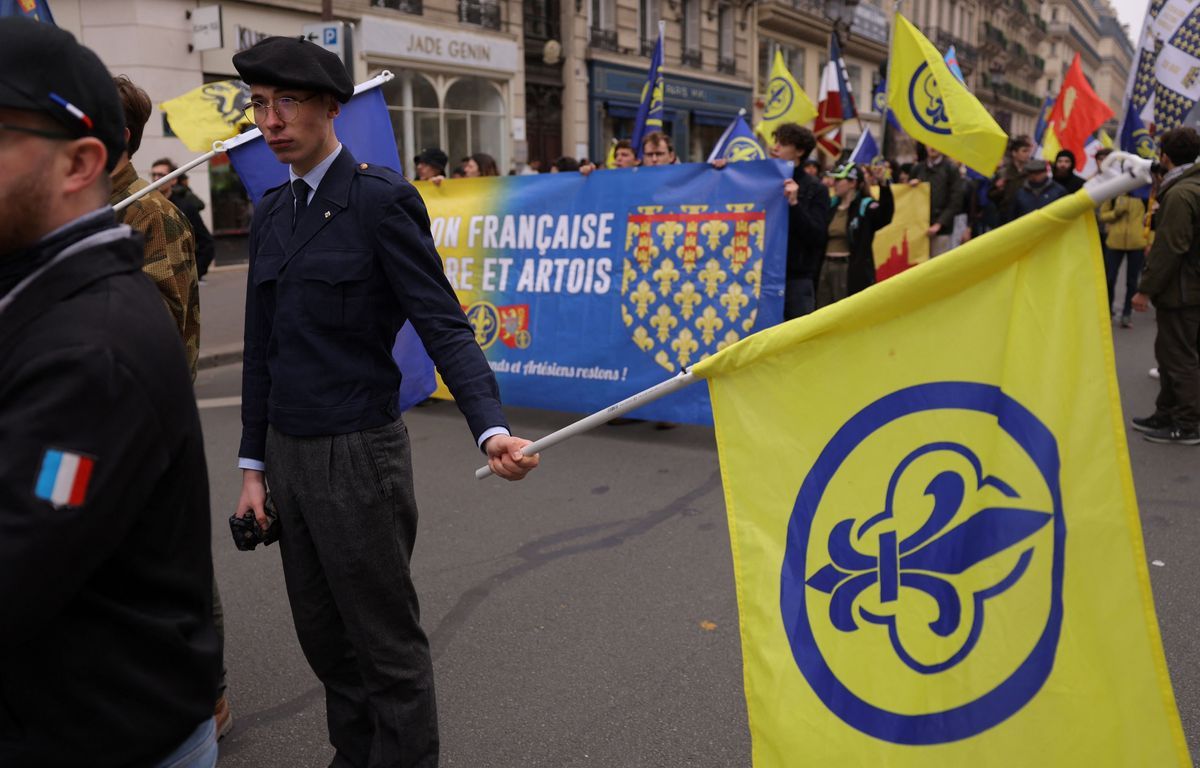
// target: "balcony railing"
[[691, 57], [993, 36], [404, 6], [967, 53], [604, 39], [479, 12], [727, 66], [647, 48]]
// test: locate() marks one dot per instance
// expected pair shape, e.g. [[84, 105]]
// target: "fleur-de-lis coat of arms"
[[691, 279]]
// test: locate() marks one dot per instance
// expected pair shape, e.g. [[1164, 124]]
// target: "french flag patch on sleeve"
[[64, 478]]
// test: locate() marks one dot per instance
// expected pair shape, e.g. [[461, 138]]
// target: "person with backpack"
[[854, 217]]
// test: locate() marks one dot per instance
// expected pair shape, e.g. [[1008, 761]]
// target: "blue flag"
[[1039, 131], [737, 143], [38, 10], [363, 127], [866, 152], [879, 103], [952, 63], [1136, 139], [650, 111], [365, 130]]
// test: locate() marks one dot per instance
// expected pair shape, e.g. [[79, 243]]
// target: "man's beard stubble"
[[22, 211]]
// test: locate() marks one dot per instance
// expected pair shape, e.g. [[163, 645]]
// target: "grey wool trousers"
[[349, 521]]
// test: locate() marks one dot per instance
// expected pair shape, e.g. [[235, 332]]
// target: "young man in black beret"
[[108, 655], [339, 258]]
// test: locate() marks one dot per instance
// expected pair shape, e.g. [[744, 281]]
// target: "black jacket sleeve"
[[79, 400]]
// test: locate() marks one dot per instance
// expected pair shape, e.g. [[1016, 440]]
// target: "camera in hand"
[[247, 534]]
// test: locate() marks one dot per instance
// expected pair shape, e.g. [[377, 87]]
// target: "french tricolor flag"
[[64, 478]]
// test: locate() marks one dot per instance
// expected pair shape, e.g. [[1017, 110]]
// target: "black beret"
[[294, 62], [44, 69]]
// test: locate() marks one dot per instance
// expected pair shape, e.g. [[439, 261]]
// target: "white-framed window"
[[691, 25], [725, 33], [648, 16], [793, 58], [601, 15], [459, 115]]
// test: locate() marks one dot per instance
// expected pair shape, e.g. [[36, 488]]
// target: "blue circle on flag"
[[779, 98], [1028, 675], [925, 102]]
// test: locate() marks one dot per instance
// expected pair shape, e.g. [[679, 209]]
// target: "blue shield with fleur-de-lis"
[[921, 588]]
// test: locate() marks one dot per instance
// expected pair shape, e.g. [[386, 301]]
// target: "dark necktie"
[[300, 190]]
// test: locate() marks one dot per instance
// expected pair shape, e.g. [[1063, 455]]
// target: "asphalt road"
[[587, 616]]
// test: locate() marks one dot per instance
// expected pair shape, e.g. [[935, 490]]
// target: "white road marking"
[[218, 402]]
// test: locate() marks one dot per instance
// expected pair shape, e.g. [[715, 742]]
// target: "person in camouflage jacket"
[[170, 245]]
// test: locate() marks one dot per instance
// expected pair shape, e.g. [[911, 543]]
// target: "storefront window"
[[474, 119], [469, 118]]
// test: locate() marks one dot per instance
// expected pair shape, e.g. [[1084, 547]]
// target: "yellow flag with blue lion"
[[935, 108], [936, 542]]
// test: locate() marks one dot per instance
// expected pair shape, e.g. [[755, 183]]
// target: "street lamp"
[[840, 14]]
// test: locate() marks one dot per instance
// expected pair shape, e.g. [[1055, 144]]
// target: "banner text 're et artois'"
[[533, 233]]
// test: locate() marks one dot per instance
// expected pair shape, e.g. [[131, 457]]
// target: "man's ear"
[[85, 160], [334, 108]]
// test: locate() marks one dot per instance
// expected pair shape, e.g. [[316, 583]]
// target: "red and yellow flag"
[[1077, 112]]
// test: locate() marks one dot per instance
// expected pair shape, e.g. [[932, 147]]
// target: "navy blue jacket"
[[324, 304], [1029, 200]]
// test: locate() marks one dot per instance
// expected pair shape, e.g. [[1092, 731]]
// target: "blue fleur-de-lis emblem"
[[926, 103], [928, 560], [926, 548]]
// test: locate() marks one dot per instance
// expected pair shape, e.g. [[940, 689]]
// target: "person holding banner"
[[808, 204], [339, 258]]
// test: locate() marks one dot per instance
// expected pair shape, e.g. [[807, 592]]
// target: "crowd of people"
[[102, 433]]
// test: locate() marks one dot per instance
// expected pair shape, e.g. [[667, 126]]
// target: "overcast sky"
[[1131, 12]]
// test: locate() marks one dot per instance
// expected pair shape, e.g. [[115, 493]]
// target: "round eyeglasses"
[[285, 109]]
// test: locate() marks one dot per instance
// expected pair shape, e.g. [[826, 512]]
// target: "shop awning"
[[621, 109], [704, 117]]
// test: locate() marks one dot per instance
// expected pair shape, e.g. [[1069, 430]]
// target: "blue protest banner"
[[583, 291]]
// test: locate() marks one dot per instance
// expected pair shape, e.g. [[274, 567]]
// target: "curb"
[[215, 358]]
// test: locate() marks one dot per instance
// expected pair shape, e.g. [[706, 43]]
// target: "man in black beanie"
[[1064, 171], [339, 259], [108, 655]]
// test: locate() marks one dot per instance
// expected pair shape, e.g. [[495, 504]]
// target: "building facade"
[[531, 80]]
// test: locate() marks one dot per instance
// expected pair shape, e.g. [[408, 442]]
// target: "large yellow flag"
[[784, 102], [936, 541], [212, 112], [935, 108]]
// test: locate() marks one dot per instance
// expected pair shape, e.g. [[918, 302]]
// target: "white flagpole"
[[1120, 173], [587, 423], [228, 144], [725, 136]]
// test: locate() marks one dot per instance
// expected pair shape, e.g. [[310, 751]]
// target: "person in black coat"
[[808, 202], [340, 258], [108, 655], [1064, 171], [852, 219], [190, 206]]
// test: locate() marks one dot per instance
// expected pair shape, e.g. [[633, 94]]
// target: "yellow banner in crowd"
[[212, 112], [937, 547], [905, 242], [935, 108]]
